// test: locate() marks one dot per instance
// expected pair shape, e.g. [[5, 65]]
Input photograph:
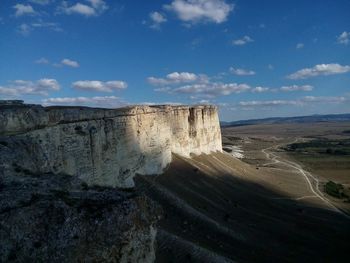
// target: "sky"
[[251, 58]]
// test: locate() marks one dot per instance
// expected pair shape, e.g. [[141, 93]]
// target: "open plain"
[[266, 206]]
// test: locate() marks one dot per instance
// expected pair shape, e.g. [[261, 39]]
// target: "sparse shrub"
[[3, 143], [84, 186], [329, 151], [334, 189]]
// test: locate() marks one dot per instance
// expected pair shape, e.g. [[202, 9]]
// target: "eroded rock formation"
[[107, 147], [59, 167]]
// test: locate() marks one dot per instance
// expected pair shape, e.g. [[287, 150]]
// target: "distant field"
[[321, 148], [327, 158]]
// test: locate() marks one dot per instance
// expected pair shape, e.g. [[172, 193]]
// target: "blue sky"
[[251, 58]]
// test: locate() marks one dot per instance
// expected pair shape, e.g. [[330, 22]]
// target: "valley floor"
[[220, 209]]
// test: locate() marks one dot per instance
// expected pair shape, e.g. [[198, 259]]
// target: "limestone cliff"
[[107, 147], [59, 167]]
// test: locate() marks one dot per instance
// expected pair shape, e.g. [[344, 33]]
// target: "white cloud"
[[92, 8], [324, 99], [104, 101], [70, 63], [98, 5], [196, 85], [344, 38], [305, 101], [157, 19], [24, 29], [176, 78], [318, 70], [81, 9], [40, 2], [260, 89], [64, 62], [42, 61], [182, 77], [49, 25], [267, 103], [195, 11], [241, 72], [211, 90], [163, 89], [242, 41], [25, 87], [299, 46], [22, 10], [297, 88], [100, 86]]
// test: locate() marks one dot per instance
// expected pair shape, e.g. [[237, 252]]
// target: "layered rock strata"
[[107, 147], [64, 173]]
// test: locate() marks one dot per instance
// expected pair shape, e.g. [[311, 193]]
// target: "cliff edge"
[[107, 147]]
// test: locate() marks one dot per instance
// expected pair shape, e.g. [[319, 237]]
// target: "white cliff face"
[[108, 147]]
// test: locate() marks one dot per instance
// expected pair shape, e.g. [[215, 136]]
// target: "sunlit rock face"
[[107, 147]]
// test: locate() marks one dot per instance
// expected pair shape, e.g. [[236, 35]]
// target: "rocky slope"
[[63, 171]]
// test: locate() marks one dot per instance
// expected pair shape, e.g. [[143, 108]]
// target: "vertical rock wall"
[[107, 147]]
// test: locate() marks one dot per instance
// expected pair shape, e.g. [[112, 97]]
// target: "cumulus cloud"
[[299, 46], [91, 8], [64, 62], [70, 63], [100, 86], [241, 72], [299, 102], [24, 29], [196, 11], [324, 99], [318, 70], [260, 89], [27, 87], [40, 2], [267, 103], [196, 85], [176, 78], [242, 41], [157, 19], [22, 10], [48, 25], [344, 38], [297, 88], [42, 61], [103, 101], [211, 90]]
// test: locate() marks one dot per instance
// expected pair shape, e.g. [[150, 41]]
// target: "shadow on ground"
[[211, 215]]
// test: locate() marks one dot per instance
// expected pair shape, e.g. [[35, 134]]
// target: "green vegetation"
[[328, 158], [322, 146], [334, 189]]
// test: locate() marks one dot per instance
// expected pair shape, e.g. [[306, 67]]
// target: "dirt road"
[[312, 181]]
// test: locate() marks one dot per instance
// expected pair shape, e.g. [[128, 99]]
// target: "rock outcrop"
[[58, 218], [107, 147], [66, 177]]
